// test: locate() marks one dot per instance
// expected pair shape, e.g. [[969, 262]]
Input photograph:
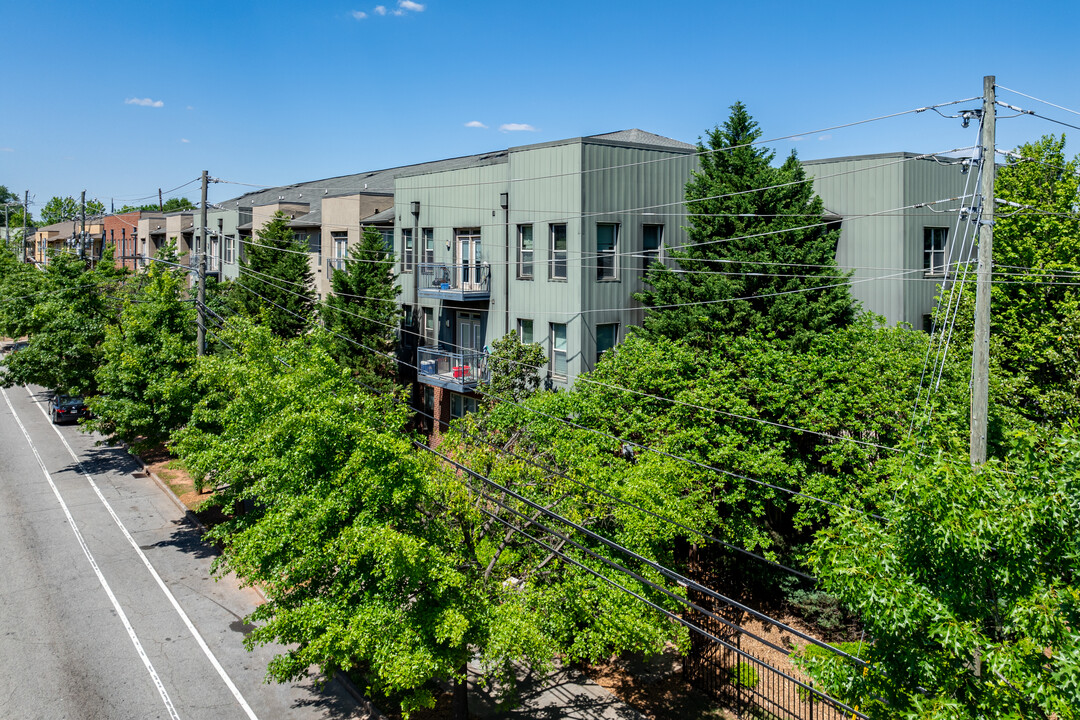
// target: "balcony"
[[454, 282], [333, 264], [460, 371]]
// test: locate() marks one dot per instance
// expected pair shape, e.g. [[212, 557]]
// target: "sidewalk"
[[565, 693]]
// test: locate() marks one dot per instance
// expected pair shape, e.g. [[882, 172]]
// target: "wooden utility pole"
[[25, 207], [82, 225], [980, 351], [201, 304]]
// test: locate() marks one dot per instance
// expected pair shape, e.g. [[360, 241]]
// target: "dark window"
[[557, 261], [607, 239], [651, 237], [606, 337]]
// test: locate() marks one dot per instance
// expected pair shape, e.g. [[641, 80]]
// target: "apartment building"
[[550, 240]]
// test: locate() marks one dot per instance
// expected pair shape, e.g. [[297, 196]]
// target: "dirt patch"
[[172, 472]]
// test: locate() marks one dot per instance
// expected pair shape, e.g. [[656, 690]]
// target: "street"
[[107, 607]]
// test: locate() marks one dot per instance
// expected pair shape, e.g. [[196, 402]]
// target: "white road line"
[[97, 571], [157, 578]]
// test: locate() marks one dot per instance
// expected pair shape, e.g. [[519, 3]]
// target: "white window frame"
[[526, 256], [407, 250], [557, 259], [556, 353], [607, 260], [521, 324], [933, 255]]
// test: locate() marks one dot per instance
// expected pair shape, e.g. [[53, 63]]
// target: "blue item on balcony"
[[444, 286], [428, 367]]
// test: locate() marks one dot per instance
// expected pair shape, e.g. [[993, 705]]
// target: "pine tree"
[[362, 308], [744, 273], [276, 280]]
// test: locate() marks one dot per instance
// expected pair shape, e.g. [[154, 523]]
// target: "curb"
[[370, 711]]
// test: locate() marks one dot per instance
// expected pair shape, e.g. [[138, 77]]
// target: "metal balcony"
[[454, 282], [460, 371]]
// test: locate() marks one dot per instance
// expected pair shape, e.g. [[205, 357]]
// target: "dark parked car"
[[67, 408]]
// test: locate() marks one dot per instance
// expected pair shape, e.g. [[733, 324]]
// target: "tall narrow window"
[[407, 250], [428, 236], [607, 238], [525, 252], [429, 327], [557, 270], [558, 350], [525, 331], [606, 337], [340, 239], [934, 249], [651, 237], [230, 248]]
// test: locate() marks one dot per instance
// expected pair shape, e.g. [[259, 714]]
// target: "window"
[[428, 236], [525, 252], [428, 406], [429, 327], [558, 349], [525, 331], [230, 248], [606, 337], [607, 237], [388, 238], [460, 405], [557, 261], [934, 250], [407, 252], [340, 239], [215, 249], [651, 237]]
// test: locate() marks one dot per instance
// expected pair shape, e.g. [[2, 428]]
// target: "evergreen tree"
[[363, 308], [276, 280], [742, 270]]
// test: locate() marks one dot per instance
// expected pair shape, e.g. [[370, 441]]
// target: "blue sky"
[[121, 98]]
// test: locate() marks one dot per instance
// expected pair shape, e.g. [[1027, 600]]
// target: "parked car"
[[67, 408]]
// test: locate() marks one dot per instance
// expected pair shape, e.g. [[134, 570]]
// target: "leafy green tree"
[[66, 325], [276, 280], [1035, 303], [14, 208], [376, 558], [968, 591], [170, 205], [20, 289], [145, 385], [758, 247], [58, 209], [362, 311], [514, 367]]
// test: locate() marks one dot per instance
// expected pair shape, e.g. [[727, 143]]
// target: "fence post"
[[811, 700]]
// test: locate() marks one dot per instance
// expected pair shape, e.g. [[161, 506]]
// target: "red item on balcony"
[[461, 371]]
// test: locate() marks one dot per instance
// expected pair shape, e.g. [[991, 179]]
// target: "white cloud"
[[184, 140], [410, 5], [825, 137], [190, 107], [144, 102], [359, 14], [380, 9], [516, 127], [475, 124], [398, 13], [7, 149]]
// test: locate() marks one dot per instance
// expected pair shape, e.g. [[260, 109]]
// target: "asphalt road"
[[107, 607]]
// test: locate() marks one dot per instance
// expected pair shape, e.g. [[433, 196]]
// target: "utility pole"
[[201, 304], [25, 205], [980, 351], [160, 203], [82, 227]]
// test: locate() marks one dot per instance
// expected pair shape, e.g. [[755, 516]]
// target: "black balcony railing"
[[455, 370], [469, 281]]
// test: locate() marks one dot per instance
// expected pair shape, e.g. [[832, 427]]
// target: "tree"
[[758, 247], [66, 325], [144, 381], [59, 209], [170, 205], [362, 312], [968, 590], [1035, 304], [376, 557], [514, 367], [275, 281]]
